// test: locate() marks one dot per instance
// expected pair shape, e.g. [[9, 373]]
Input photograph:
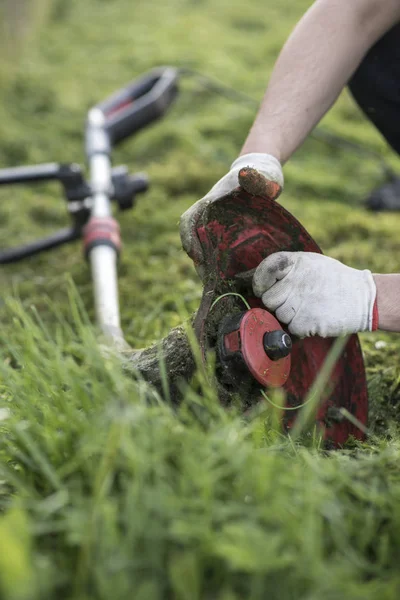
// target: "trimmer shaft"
[[254, 340]]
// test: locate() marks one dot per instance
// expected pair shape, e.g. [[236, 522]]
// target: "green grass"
[[105, 490]]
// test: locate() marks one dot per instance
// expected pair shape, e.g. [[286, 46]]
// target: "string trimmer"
[[236, 234]]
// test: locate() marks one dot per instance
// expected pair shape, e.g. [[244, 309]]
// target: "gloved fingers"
[[256, 184], [271, 270], [187, 226], [297, 329], [308, 324], [265, 165], [259, 174], [286, 312], [190, 217], [224, 187], [276, 296], [250, 179]]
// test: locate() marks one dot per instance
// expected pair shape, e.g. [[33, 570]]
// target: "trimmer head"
[[236, 233], [254, 341]]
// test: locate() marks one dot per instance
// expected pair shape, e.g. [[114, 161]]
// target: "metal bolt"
[[277, 344]]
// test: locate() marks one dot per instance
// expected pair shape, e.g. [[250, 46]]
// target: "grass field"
[[105, 490]]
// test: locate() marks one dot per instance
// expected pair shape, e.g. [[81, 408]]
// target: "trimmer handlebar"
[[59, 238], [75, 189], [139, 103], [70, 175], [127, 111], [77, 192]]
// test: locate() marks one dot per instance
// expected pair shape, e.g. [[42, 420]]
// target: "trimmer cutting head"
[[236, 233], [254, 341]]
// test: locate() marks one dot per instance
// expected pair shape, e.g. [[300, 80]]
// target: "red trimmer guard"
[[236, 233]]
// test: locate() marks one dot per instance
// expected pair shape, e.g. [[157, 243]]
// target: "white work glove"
[[316, 295], [270, 185]]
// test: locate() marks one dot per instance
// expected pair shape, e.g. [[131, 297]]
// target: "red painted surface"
[[236, 233], [253, 326], [102, 229]]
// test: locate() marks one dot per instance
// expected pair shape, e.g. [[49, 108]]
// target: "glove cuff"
[[373, 315], [266, 164]]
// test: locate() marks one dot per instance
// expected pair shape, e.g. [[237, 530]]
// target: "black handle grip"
[[70, 176], [29, 173], [63, 236], [140, 103]]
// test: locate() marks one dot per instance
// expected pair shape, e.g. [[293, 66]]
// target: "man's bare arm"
[[315, 64], [388, 298]]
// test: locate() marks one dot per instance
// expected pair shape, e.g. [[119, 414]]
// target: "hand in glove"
[[270, 184], [316, 295]]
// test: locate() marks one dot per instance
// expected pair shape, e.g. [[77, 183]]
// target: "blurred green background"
[[102, 494]]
